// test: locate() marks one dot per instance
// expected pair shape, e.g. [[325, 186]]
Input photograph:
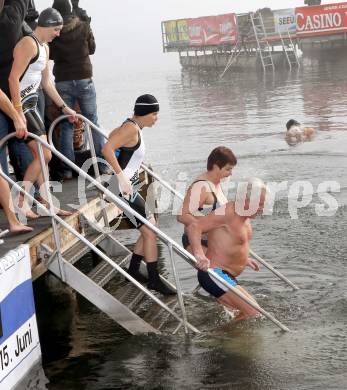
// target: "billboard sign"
[[321, 20], [285, 20]]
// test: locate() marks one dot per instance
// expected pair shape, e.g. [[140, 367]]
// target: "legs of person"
[[233, 301], [88, 106], [6, 203], [148, 241], [67, 91], [33, 174]]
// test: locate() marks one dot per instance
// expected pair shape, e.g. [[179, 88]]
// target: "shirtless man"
[[229, 233]]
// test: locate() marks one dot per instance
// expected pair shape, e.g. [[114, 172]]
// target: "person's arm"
[[49, 88], [204, 225], [118, 138], [24, 51], [7, 107], [195, 198]]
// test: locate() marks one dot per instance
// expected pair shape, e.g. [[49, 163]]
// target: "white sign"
[[19, 340], [285, 20]]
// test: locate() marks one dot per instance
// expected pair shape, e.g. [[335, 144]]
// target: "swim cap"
[[292, 122], [146, 104], [50, 17]]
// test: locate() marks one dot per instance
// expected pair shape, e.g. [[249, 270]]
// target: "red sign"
[[212, 30], [321, 20]]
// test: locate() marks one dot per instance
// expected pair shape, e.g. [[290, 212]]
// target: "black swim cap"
[[50, 17], [146, 104], [292, 122]]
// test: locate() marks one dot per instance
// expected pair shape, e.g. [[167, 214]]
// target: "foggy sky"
[[128, 33]]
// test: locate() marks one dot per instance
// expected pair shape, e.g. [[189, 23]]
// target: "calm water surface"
[[84, 349]]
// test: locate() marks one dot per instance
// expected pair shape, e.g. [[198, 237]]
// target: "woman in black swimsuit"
[[205, 194]]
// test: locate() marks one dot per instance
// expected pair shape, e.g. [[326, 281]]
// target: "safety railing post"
[[178, 288], [55, 228]]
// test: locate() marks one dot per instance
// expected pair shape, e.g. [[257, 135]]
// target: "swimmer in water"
[[297, 134]]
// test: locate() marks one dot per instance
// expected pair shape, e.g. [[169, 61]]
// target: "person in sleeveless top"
[[205, 194], [29, 71], [124, 151]]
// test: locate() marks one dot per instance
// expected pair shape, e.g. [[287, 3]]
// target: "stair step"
[[104, 271], [78, 250], [157, 317], [130, 295]]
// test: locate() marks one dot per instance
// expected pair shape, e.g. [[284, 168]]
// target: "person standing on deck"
[[229, 234], [29, 71], [73, 77], [5, 195], [128, 141]]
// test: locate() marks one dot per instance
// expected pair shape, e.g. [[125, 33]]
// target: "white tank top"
[[31, 78]]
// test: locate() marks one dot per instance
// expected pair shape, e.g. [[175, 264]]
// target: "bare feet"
[[26, 212], [20, 228]]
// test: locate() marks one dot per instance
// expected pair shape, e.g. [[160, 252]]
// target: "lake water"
[[84, 349]]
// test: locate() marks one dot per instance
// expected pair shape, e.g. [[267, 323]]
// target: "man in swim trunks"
[[229, 233]]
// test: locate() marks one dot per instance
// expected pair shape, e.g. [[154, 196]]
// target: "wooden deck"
[[43, 232]]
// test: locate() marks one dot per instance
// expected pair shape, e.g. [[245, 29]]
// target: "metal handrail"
[[50, 212], [176, 193], [125, 207]]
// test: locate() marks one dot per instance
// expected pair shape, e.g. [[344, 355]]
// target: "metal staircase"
[[289, 49], [263, 46]]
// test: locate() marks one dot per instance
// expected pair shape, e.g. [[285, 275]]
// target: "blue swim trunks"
[[214, 286]]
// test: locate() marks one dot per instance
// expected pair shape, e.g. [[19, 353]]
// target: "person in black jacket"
[[12, 14], [73, 76]]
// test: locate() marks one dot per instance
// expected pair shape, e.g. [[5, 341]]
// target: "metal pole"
[[273, 270], [55, 228], [97, 172], [178, 288]]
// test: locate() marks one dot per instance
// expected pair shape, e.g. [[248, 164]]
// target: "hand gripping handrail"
[[50, 212], [125, 207], [176, 193]]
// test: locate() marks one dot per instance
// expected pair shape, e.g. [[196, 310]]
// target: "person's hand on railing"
[[69, 111], [124, 185], [21, 127], [251, 263], [203, 262]]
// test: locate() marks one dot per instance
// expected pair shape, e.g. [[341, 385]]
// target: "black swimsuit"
[[205, 211]]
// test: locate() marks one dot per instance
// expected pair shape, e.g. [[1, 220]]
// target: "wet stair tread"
[[79, 249], [104, 271]]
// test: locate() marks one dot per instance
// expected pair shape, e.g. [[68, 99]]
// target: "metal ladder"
[[290, 50], [235, 52], [264, 49]]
